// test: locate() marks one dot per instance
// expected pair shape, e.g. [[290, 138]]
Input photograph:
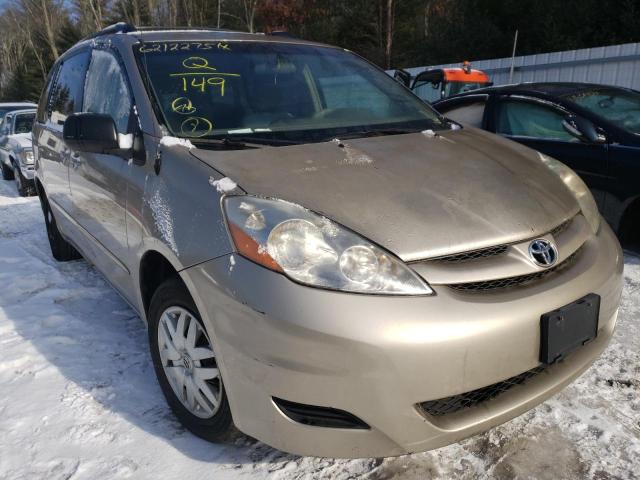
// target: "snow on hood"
[[417, 196]]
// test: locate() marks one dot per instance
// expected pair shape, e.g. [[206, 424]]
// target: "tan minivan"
[[321, 259]]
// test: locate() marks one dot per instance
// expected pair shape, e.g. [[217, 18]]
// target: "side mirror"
[[403, 77], [91, 132], [582, 129]]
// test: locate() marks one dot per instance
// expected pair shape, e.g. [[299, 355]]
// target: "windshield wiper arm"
[[377, 132], [226, 143]]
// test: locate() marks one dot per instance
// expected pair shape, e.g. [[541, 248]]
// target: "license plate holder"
[[568, 328]]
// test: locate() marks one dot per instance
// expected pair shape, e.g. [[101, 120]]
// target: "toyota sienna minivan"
[[322, 260]]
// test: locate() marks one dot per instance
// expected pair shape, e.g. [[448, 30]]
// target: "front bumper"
[[28, 171], [379, 357]]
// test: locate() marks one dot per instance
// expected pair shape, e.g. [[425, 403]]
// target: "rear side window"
[[106, 89], [43, 104], [467, 114], [66, 97], [533, 120]]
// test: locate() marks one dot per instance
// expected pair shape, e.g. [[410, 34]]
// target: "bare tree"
[[40, 14], [250, 7], [91, 14], [389, 30], [132, 11]]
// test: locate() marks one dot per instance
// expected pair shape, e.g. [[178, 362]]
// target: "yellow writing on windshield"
[[162, 47], [196, 127], [197, 63], [183, 106], [199, 75]]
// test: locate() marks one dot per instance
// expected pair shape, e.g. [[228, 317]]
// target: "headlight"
[[27, 157], [313, 250], [578, 188]]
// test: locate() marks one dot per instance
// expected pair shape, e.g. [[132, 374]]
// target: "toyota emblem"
[[543, 252]]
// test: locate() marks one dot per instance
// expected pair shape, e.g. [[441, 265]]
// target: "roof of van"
[[179, 35], [18, 104]]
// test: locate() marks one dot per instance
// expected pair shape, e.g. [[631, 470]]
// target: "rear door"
[[99, 181], [537, 123]]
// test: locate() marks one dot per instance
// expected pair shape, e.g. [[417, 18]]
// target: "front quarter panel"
[[176, 212]]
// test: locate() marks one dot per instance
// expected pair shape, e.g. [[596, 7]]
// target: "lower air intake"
[[319, 416], [459, 402]]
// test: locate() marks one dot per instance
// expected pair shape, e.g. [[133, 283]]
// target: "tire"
[[7, 173], [213, 426], [24, 187], [61, 250]]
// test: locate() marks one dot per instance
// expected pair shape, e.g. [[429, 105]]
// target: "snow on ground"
[[79, 400]]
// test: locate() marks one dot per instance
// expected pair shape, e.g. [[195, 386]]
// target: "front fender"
[[175, 212]]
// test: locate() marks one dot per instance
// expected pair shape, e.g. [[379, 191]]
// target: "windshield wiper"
[[234, 142], [225, 143], [377, 132]]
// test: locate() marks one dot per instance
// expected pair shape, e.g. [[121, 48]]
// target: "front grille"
[[474, 254], [456, 403], [493, 251], [562, 227], [517, 281]]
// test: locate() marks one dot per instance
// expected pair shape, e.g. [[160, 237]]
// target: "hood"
[[418, 196], [23, 140]]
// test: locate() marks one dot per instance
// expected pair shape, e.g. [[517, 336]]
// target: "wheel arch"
[[155, 268], [629, 227]]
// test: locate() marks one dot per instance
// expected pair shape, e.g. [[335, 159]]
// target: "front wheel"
[[25, 189], [7, 173], [185, 362]]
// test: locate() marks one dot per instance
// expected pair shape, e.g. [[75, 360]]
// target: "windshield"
[[276, 91], [620, 107], [24, 122]]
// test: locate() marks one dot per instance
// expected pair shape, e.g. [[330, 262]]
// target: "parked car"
[[11, 106], [437, 83], [594, 129], [16, 152], [7, 173], [318, 254]]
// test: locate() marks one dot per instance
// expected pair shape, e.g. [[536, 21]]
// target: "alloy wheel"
[[189, 362]]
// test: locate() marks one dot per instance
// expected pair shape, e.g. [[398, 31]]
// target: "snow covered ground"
[[79, 400]]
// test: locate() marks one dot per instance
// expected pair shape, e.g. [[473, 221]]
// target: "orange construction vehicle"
[[437, 83]]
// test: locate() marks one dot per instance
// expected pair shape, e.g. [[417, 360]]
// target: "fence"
[[612, 65]]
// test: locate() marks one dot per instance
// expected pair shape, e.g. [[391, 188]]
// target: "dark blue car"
[[594, 129]]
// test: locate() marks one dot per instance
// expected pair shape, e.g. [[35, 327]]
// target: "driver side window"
[[106, 89], [533, 120]]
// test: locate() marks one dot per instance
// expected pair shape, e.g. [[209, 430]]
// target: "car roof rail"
[[124, 27], [120, 27], [146, 28]]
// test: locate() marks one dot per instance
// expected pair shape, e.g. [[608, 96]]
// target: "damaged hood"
[[418, 196]]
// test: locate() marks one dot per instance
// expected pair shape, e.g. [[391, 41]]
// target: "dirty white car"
[[16, 151]]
